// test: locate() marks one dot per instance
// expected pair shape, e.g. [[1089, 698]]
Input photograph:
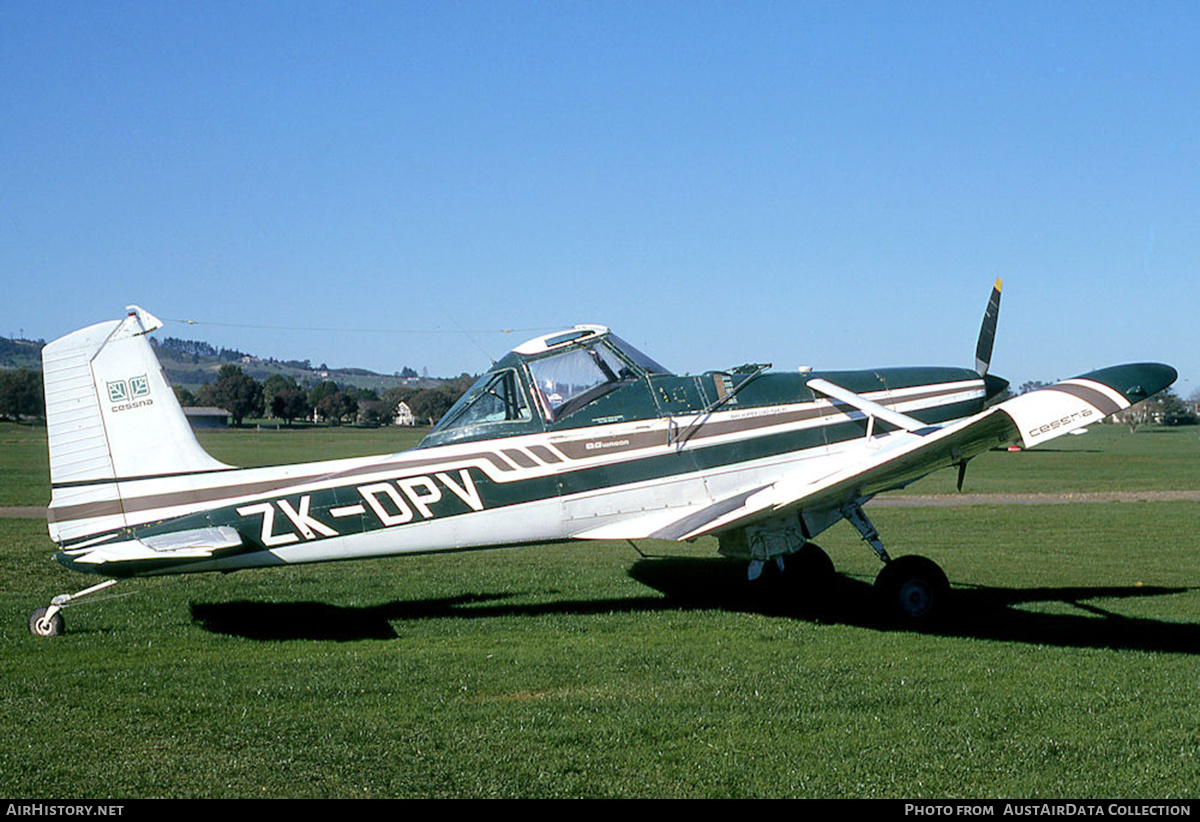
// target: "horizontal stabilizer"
[[194, 544]]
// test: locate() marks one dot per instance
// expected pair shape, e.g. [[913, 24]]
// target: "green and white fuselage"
[[575, 435]]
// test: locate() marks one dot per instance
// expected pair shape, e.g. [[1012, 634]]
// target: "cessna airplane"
[[572, 435]]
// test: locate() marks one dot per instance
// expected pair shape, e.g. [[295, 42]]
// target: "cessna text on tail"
[[573, 435]]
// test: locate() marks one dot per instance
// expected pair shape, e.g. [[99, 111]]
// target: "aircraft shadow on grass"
[[978, 612]]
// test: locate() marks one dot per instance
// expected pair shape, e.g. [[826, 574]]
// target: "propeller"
[[987, 332], [983, 349], [992, 385]]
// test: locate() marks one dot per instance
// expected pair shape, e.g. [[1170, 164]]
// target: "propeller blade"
[[987, 332]]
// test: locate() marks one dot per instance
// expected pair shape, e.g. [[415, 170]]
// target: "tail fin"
[[111, 416]]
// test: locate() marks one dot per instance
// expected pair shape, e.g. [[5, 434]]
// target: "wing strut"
[[871, 409]]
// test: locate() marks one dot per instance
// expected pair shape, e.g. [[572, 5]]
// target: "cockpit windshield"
[[576, 375], [557, 374], [495, 397], [645, 363]]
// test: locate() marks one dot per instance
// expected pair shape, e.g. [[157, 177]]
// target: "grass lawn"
[[586, 670]]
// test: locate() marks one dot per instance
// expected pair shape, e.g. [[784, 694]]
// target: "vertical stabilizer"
[[110, 416]]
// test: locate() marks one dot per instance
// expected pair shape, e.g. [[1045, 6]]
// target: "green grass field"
[[568, 670]]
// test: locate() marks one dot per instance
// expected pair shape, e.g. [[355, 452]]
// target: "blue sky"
[[803, 183]]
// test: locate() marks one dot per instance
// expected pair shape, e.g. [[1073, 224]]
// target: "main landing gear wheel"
[[913, 589], [40, 625], [810, 565]]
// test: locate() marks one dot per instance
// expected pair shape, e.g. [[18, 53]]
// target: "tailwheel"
[[44, 622], [49, 621], [913, 589]]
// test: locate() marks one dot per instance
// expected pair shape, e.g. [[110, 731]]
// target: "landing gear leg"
[[912, 588], [49, 621], [854, 513]]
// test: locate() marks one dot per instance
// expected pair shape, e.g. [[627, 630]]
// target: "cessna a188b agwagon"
[[573, 435]]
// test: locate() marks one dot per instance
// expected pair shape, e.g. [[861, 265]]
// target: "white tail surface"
[[110, 416]]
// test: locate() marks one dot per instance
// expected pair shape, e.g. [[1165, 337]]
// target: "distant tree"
[[320, 392], [186, 398], [21, 394], [191, 348], [431, 403], [206, 395], [271, 388], [290, 404], [374, 413], [407, 373], [1135, 416], [238, 393], [1171, 410], [1031, 385], [335, 408], [1164, 408], [363, 394], [277, 382]]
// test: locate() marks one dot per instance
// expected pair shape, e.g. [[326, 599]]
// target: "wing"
[[903, 456]]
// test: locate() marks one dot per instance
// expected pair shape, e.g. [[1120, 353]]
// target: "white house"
[[404, 415]]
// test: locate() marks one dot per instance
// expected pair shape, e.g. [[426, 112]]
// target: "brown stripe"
[[200, 496], [595, 446], [519, 457], [545, 454], [85, 510], [1091, 396], [578, 449]]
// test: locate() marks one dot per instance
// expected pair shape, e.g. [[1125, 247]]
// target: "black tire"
[[810, 566], [912, 589], [40, 626], [807, 575]]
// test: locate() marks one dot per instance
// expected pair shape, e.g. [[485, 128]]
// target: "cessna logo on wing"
[[1069, 420], [393, 502], [131, 393]]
